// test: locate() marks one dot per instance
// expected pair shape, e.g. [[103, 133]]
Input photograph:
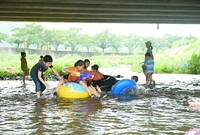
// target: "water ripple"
[[163, 110]]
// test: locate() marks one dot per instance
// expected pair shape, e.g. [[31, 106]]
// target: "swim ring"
[[72, 90], [123, 86], [107, 83]]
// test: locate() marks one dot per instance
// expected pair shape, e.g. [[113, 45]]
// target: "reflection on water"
[[163, 110]]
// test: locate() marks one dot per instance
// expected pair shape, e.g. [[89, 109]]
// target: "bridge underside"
[[104, 11]]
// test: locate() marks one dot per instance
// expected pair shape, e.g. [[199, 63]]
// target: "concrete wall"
[[56, 54]]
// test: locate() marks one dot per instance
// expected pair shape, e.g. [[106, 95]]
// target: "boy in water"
[[138, 90], [87, 64], [79, 67], [37, 74], [135, 79], [24, 66], [98, 77]]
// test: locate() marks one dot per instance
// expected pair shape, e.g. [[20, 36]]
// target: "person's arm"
[[55, 72], [70, 71], [41, 79], [195, 102]]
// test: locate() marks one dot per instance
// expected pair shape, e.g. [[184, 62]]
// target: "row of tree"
[[38, 37]]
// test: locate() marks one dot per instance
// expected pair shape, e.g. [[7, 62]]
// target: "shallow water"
[[163, 110]]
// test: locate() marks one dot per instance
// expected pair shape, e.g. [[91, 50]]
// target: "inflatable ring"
[[107, 83], [72, 90], [122, 86]]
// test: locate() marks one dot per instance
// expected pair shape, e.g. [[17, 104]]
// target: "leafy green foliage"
[[194, 64], [3, 37], [171, 52]]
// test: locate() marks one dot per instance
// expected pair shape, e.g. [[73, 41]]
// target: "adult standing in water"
[[149, 50]]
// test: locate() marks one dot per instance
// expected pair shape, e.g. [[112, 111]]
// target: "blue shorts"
[[39, 86]]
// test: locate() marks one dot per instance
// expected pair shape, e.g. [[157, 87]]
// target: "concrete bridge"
[[104, 11]]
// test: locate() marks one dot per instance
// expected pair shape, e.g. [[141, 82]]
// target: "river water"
[[163, 110]]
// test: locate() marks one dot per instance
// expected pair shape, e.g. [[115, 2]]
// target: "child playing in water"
[[79, 67], [24, 66], [98, 77], [87, 64], [37, 74], [149, 69], [135, 79]]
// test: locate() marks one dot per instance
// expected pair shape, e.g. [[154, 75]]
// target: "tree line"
[[34, 36]]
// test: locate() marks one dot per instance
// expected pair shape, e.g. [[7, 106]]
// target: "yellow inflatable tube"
[[72, 90]]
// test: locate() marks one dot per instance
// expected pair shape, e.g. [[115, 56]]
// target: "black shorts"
[[97, 82]]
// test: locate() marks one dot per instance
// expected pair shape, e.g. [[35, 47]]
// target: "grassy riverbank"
[[169, 61]]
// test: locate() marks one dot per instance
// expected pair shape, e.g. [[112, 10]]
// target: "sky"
[[149, 30]]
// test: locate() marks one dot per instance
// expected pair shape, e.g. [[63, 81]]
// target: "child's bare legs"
[[143, 69], [38, 94], [82, 83], [98, 88], [23, 78], [61, 82], [151, 79], [147, 79], [93, 91], [24, 75], [90, 89]]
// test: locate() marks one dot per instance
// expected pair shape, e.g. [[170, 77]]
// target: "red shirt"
[[97, 75]]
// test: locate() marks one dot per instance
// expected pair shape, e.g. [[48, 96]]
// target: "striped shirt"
[[149, 63]]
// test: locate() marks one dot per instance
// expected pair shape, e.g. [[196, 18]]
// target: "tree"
[[161, 44], [133, 42], [172, 38], [115, 42], [53, 38], [16, 37], [72, 40], [87, 41], [3, 37], [30, 35], [102, 40]]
